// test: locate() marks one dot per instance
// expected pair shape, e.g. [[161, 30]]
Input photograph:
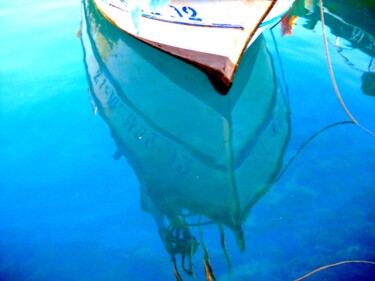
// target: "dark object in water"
[[368, 83]]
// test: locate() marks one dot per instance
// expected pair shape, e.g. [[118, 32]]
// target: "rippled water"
[[274, 168]]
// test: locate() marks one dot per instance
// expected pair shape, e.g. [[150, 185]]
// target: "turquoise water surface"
[[118, 161]]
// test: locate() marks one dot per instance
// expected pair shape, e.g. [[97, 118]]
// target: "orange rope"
[[333, 265], [333, 76]]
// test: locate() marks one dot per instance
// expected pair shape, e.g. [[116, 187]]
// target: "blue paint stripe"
[[220, 25]]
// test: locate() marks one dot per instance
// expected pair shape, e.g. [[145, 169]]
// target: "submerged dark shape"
[[368, 83], [201, 158]]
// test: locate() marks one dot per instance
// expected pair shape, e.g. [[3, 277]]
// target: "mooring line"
[[334, 84], [333, 265]]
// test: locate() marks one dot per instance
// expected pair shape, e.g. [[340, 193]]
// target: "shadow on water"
[[201, 158]]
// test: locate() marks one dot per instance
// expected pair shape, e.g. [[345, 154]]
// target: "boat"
[[210, 34], [213, 162]]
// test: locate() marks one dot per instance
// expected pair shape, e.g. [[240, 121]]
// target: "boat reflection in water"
[[352, 32], [200, 157]]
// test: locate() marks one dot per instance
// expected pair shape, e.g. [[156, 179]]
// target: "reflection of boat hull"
[[218, 168], [209, 34]]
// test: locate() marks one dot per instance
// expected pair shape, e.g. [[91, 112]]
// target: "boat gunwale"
[[221, 75]]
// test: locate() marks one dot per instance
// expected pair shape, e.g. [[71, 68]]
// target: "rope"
[[334, 84], [224, 248], [299, 150], [286, 95], [333, 265], [206, 258]]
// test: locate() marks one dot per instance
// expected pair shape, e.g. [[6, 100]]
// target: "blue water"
[[276, 162]]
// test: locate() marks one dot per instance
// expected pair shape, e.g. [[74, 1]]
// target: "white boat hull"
[[212, 35]]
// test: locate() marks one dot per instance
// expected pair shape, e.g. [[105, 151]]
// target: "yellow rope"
[[333, 76], [333, 265]]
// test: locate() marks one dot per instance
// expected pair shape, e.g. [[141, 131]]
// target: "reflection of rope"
[[370, 67], [340, 50], [347, 61], [206, 258], [175, 270], [224, 248], [281, 66], [334, 84], [305, 143], [333, 265]]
